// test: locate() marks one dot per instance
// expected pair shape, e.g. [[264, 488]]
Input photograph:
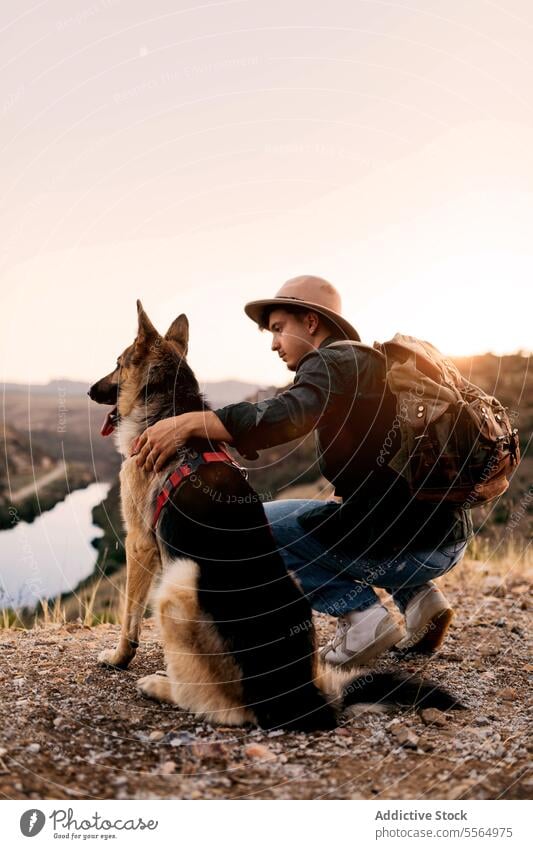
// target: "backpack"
[[457, 443]]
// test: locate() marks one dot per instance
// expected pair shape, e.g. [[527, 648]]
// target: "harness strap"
[[185, 470]]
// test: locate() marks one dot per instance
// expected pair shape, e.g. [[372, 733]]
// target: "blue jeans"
[[340, 581]]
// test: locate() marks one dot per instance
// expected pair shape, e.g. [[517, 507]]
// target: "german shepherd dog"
[[237, 632]]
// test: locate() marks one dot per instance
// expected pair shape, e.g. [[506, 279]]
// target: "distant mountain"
[[218, 393], [222, 392], [25, 456], [54, 387]]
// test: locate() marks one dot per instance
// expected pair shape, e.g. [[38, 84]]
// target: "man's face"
[[292, 335]]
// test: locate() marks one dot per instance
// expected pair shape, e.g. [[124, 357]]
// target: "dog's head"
[[141, 368]]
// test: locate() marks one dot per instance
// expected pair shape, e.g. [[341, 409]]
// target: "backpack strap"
[[376, 347]]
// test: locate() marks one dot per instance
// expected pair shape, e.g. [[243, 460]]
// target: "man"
[[375, 534]]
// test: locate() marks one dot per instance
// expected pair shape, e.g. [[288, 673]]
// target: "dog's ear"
[[146, 331], [179, 332]]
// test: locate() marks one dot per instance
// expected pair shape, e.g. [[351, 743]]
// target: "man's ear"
[[179, 332], [146, 331], [312, 321]]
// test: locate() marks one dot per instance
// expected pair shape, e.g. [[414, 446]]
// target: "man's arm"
[[252, 427], [208, 425], [160, 441], [290, 415]]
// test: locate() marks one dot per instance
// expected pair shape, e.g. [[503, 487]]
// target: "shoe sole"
[[379, 646], [431, 636]]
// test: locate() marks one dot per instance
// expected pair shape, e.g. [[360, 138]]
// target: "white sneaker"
[[362, 635], [427, 619]]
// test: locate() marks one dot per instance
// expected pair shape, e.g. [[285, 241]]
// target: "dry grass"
[[98, 603]]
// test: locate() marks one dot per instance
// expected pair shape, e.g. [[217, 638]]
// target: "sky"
[[196, 155]]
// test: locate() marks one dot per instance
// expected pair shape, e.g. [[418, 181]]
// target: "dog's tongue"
[[108, 425]]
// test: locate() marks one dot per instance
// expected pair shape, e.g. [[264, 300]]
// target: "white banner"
[[257, 823]]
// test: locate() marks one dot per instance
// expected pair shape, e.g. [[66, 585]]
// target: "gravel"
[[70, 729]]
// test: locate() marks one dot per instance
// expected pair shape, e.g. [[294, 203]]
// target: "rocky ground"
[[69, 729]]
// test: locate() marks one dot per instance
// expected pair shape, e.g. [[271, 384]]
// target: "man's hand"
[[160, 441]]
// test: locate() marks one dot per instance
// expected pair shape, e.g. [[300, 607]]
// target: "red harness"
[[186, 469]]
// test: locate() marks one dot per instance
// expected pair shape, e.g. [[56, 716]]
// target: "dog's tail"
[[390, 688], [305, 709]]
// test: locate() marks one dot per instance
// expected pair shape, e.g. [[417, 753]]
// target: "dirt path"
[[33, 487], [69, 729]]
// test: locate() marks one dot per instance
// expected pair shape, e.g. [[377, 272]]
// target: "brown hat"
[[307, 291]]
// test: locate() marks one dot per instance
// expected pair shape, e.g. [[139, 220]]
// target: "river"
[[53, 554]]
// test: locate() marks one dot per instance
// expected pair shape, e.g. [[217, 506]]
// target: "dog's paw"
[[154, 687], [112, 658], [147, 686]]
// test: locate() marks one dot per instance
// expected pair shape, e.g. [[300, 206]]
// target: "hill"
[[218, 392], [31, 480], [65, 425]]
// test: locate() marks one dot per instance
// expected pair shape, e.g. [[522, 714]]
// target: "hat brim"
[[254, 310]]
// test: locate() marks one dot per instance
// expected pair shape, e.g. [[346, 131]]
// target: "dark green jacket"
[[341, 393]]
